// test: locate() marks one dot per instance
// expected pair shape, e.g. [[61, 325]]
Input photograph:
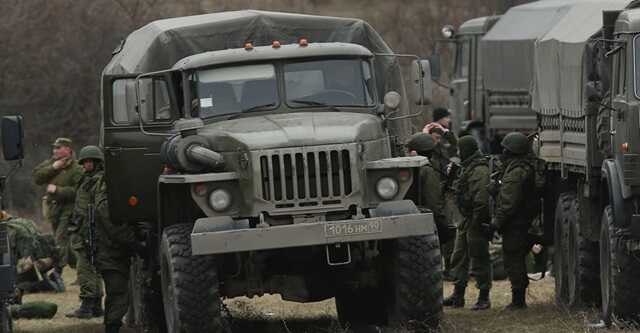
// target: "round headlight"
[[387, 188], [220, 200], [448, 31]]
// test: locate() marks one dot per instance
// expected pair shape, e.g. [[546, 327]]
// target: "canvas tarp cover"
[[160, 44], [508, 48], [558, 80]]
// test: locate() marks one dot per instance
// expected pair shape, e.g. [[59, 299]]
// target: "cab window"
[[155, 104]]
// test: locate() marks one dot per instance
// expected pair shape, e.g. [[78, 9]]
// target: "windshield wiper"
[[314, 103], [251, 109]]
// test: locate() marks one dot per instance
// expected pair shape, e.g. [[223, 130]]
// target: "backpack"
[[537, 182]]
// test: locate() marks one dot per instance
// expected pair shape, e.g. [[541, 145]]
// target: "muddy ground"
[[270, 314]]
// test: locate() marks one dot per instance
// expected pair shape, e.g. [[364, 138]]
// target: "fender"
[[612, 178]]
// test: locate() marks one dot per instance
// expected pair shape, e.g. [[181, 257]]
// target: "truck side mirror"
[[435, 65], [12, 136], [421, 77]]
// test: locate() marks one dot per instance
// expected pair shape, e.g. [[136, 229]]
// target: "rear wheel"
[[619, 272], [583, 266], [560, 236], [189, 285]]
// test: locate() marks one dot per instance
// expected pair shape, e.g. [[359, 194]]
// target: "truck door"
[[620, 100], [460, 98], [132, 158]]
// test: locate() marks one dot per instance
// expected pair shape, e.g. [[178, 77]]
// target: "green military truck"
[[573, 64], [12, 150], [263, 153]]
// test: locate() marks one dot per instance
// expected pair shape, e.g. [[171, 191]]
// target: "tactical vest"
[[464, 204]]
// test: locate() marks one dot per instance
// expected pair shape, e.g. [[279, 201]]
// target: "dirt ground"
[[269, 314]]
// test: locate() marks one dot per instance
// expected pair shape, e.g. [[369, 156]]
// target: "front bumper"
[[309, 234]]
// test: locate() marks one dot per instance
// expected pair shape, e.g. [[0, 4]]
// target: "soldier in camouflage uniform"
[[514, 213], [116, 243], [91, 159], [33, 255], [60, 174], [431, 185], [471, 244]]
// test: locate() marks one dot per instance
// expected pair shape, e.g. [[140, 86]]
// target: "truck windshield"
[[229, 90], [339, 82]]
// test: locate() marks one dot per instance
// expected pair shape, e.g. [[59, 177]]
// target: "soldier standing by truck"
[[471, 244], [60, 174], [431, 186], [514, 213], [114, 247], [91, 159]]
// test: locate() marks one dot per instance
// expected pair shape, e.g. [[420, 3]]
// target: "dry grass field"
[[270, 314]]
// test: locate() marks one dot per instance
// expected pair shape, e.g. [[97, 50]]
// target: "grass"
[[270, 314]]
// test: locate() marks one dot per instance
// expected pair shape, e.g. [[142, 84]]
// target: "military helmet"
[[90, 152], [421, 142], [468, 146], [516, 143]]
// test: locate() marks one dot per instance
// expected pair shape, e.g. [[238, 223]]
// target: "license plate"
[[342, 229]]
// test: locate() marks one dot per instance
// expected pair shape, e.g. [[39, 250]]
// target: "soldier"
[[431, 185], [60, 174], [514, 213], [116, 244], [34, 256], [471, 244], [442, 120], [91, 159]]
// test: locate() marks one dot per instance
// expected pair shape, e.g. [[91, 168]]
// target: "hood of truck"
[[292, 130]]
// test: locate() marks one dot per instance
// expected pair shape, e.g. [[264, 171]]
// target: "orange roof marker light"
[[133, 201], [276, 44], [625, 147], [248, 46], [303, 42]]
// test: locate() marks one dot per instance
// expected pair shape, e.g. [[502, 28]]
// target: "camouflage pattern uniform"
[[88, 278], [431, 197], [471, 244], [513, 215], [115, 246], [34, 254], [58, 207]]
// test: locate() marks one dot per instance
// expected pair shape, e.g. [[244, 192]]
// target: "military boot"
[[85, 311], [97, 308], [517, 300], [483, 302], [456, 299], [112, 328]]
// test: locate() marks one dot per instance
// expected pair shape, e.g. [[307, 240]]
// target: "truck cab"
[[269, 167]]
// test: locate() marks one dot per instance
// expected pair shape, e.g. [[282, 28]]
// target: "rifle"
[[91, 237]]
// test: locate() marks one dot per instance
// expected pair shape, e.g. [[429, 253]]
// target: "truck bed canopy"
[[508, 48], [160, 44], [558, 57]]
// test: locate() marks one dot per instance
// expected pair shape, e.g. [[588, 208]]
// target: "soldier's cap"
[[62, 142]]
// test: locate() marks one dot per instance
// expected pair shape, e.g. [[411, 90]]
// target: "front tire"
[[189, 285], [416, 286], [560, 237], [583, 266], [619, 272]]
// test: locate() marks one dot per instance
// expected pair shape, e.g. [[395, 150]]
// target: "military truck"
[[582, 86], [12, 149], [263, 153]]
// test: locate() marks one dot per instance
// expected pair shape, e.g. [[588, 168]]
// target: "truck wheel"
[[619, 273], [583, 266], [415, 291], [146, 300], [560, 236], [189, 285]]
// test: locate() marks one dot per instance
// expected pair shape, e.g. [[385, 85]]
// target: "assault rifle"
[[91, 230]]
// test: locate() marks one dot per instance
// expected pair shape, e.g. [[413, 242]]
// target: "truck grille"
[[631, 169], [306, 176]]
